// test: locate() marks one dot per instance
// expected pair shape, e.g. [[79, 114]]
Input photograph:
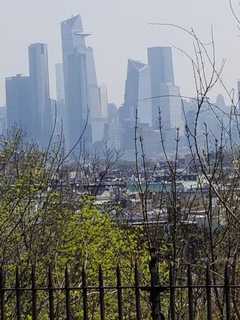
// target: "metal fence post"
[[101, 293], [34, 294], [67, 295], [85, 297], [227, 302], [2, 294], [50, 294], [172, 291], [208, 293], [137, 294], [190, 293], [18, 295], [119, 294]]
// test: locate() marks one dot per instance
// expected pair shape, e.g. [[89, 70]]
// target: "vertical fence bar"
[[172, 292], [34, 294], [67, 295], [208, 293], [101, 294], [137, 293], [119, 294], [227, 301], [2, 295], [18, 298], [190, 293], [85, 297], [50, 294]]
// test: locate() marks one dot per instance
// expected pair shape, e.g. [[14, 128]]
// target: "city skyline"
[[82, 104], [111, 60]]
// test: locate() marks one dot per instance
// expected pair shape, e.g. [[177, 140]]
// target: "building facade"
[[165, 95], [39, 78], [138, 92], [81, 90], [19, 104]]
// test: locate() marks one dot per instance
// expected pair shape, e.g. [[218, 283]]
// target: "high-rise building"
[[79, 83], [165, 95], [39, 77], [19, 104], [136, 102], [170, 106], [93, 93], [59, 106], [99, 116], [161, 63], [138, 92], [59, 82], [103, 96], [3, 120]]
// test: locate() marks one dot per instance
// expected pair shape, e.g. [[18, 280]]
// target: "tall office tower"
[[112, 111], [99, 115], [164, 94], [93, 93], [170, 99], [19, 104], [103, 96], [59, 106], [3, 120], [59, 82], [79, 81], [39, 77], [138, 92]]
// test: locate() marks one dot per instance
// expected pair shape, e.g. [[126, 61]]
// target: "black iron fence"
[[179, 299]]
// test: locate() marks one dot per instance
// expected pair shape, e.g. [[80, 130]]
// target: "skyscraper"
[[165, 95], [59, 82], [79, 82], [93, 93], [39, 77], [99, 112], [138, 92], [60, 101], [3, 120], [103, 96], [19, 104], [161, 63]]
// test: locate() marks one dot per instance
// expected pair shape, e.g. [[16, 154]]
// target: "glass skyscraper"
[[138, 92], [39, 78], [19, 104], [165, 95], [80, 83]]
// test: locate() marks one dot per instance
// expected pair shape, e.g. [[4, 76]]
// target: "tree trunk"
[[155, 287]]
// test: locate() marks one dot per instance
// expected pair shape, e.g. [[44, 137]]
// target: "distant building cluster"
[[82, 113]]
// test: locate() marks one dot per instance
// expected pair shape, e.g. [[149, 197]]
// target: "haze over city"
[[119, 159], [120, 30]]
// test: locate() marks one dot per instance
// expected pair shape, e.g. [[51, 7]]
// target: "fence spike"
[[227, 309], [50, 294], [34, 293], [18, 298], [190, 293], [119, 294], [2, 294], [67, 295], [85, 296], [208, 293], [137, 293], [101, 293], [172, 291]]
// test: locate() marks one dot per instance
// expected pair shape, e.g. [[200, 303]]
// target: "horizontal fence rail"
[[187, 300]]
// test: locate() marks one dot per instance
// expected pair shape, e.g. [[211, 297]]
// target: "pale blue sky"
[[120, 31]]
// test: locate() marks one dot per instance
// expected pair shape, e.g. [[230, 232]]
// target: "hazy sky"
[[120, 30]]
